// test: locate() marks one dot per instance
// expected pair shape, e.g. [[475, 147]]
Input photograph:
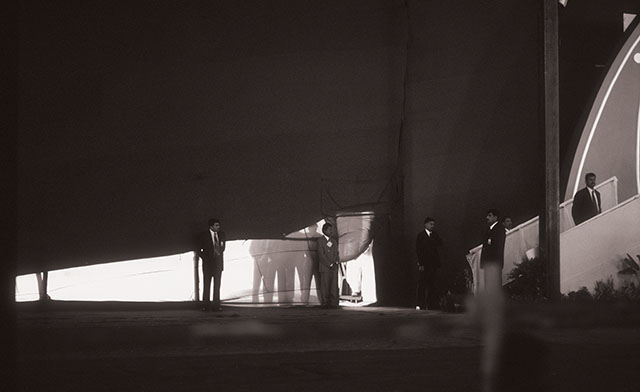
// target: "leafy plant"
[[604, 291], [529, 283], [582, 295], [629, 274], [629, 266], [630, 292], [528, 280], [462, 282]]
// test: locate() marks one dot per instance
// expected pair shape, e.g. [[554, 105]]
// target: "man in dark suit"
[[493, 305], [328, 261], [212, 244], [427, 244], [507, 223], [492, 255], [586, 202]]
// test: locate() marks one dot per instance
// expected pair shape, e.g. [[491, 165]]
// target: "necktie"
[[595, 201], [216, 243]]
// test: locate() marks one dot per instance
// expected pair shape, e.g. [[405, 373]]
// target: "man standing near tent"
[[586, 202], [329, 260], [492, 256], [427, 244], [493, 320], [211, 248]]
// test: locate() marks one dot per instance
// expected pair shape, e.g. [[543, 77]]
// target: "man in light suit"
[[586, 202], [328, 261], [211, 246], [427, 244]]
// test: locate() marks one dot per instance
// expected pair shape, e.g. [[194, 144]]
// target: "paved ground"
[[100, 347]]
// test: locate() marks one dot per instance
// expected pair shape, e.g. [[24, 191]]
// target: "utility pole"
[[550, 230]]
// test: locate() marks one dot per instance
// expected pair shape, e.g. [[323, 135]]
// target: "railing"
[[592, 252], [523, 240]]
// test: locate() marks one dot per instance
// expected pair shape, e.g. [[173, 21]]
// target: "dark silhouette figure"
[[275, 258], [427, 244], [307, 267], [586, 202], [264, 270]]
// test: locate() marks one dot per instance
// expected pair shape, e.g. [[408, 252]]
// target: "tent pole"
[[42, 278], [196, 277]]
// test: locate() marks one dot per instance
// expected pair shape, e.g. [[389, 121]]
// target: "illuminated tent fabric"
[[285, 267]]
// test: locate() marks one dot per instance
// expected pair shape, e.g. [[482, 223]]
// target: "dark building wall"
[[472, 137], [138, 121]]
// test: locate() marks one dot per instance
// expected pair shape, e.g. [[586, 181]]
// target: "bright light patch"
[[27, 288], [171, 278], [255, 271], [168, 278], [627, 19], [361, 277]]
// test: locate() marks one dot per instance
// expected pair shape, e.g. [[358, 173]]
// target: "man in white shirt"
[[328, 261], [211, 251], [492, 256], [492, 261], [427, 244]]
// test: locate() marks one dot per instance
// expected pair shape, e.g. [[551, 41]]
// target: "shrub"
[[528, 280], [630, 292], [462, 282], [604, 291], [451, 303], [629, 266], [581, 295], [529, 283]]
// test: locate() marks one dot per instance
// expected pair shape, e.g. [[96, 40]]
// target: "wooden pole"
[[43, 283], [9, 27], [196, 277], [551, 240], [40, 285]]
